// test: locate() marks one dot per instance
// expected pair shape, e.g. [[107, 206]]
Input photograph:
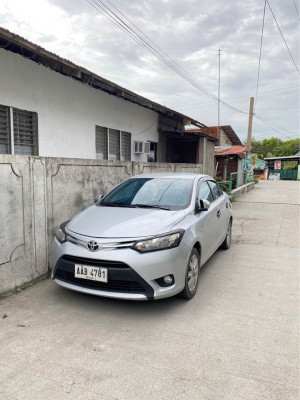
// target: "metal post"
[[250, 126], [219, 91]]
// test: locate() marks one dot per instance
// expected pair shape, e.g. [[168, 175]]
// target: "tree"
[[275, 147]]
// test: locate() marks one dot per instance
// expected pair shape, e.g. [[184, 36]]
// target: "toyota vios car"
[[146, 239]]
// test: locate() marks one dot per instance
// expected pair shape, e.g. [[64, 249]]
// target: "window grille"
[[4, 130], [125, 146], [114, 144], [25, 132], [101, 143]]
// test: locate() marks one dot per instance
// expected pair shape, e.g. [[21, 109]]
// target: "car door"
[[207, 222], [221, 210]]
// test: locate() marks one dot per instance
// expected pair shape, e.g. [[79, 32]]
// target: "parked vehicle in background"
[[146, 239]]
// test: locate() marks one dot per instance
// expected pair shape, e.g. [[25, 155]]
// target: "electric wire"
[[119, 19], [276, 124], [296, 9], [274, 129], [283, 37], [260, 51], [241, 99]]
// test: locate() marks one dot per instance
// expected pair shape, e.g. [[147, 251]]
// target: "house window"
[[4, 130], [18, 131], [125, 146], [112, 144], [101, 143]]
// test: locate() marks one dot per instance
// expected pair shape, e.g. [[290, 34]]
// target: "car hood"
[[115, 222]]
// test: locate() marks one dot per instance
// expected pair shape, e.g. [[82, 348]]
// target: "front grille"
[[92, 262], [111, 285], [121, 278]]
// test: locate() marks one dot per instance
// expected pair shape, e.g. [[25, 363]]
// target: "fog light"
[[168, 279]]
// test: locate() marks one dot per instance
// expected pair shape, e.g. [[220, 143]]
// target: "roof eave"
[[85, 76]]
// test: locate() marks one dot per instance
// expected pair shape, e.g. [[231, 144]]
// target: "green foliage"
[[224, 186], [275, 147], [290, 164], [256, 181]]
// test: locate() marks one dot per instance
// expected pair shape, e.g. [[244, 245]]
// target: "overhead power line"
[[283, 37], [242, 99], [296, 9], [260, 51], [110, 11], [272, 127], [276, 124]]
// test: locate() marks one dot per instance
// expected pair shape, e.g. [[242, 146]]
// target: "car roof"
[[172, 175]]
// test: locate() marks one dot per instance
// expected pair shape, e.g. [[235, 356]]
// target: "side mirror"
[[98, 198], [202, 205]]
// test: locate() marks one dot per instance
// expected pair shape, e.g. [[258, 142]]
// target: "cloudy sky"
[[190, 32]]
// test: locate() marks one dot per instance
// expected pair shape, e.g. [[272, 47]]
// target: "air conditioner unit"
[[147, 147], [138, 147]]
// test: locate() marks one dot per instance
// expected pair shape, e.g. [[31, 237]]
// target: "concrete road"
[[237, 339]]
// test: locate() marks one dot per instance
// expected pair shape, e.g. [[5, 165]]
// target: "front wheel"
[[191, 276], [227, 241]]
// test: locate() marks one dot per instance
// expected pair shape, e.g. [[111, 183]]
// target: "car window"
[[205, 192], [217, 191], [164, 192]]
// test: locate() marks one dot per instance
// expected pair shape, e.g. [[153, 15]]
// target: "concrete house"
[[51, 107], [229, 150]]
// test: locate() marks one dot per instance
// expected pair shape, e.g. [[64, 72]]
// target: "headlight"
[[60, 233], [159, 243]]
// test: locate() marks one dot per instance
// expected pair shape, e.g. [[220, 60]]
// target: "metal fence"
[[285, 174], [236, 180]]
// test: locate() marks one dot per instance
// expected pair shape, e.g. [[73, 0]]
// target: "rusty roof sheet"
[[214, 131], [225, 151]]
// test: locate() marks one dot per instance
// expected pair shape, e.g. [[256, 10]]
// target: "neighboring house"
[[228, 160], [226, 136], [51, 107], [285, 167], [229, 150]]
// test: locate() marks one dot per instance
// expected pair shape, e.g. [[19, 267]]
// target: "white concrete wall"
[[68, 111], [38, 194]]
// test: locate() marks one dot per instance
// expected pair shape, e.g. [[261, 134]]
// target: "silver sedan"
[[146, 239]]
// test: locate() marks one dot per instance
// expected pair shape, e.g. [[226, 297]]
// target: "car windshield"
[[163, 193]]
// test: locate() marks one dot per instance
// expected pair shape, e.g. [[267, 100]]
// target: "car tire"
[[191, 276], [227, 241]]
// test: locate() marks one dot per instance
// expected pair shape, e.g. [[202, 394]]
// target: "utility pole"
[[219, 88], [219, 91], [250, 126]]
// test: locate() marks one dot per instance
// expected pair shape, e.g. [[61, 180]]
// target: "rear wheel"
[[191, 276], [227, 241]]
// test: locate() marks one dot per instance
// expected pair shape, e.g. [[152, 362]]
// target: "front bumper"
[[131, 275]]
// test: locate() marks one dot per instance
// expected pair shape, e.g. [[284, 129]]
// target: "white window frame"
[[35, 143]]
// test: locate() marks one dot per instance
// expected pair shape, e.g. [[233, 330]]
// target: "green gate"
[[285, 174]]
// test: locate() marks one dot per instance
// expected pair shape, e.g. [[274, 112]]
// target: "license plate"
[[92, 273]]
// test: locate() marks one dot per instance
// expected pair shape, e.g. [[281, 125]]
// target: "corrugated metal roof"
[[225, 151], [214, 130], [22, 46]]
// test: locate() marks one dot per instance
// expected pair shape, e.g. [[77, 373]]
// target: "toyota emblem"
[[92, 246]]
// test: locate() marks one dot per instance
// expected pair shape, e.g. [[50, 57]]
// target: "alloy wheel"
[[193, 273]]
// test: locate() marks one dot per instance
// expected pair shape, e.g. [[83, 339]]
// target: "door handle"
[[218, 213]]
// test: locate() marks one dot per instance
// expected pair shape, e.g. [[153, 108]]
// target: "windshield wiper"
[[151, 206], [112, 204]]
